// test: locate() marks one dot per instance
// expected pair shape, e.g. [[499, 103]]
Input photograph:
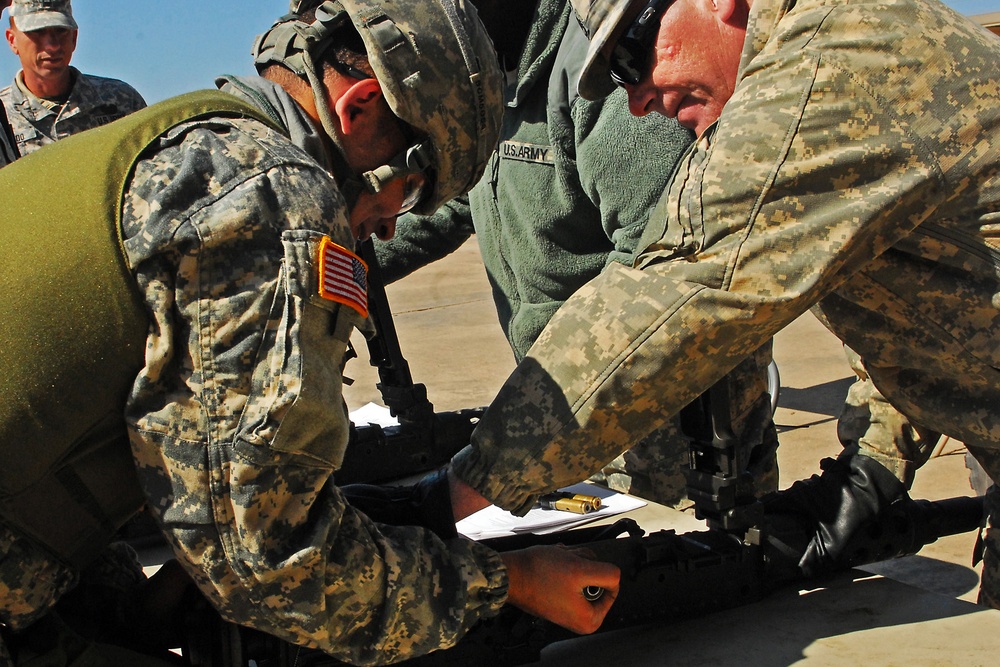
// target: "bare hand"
[[464, 499], [548, 581]]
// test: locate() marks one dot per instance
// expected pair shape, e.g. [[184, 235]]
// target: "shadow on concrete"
[[776, 632], [823, 399], [934, 575]]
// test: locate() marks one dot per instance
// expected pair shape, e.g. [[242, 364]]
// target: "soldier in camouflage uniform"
[[236, 224], [50, 99], [847, 162], [8, 146], [568, 192], [869, 423]]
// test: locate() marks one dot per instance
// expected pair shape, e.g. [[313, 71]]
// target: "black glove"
[[834, 507], [426, 503]]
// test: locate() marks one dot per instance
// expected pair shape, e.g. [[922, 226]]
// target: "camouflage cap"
[[439, 73], [30, 15], [602, 20]]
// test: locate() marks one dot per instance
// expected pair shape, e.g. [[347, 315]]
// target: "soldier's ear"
[[358, 104], [731, 12]]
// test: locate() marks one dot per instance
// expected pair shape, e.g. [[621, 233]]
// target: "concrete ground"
[[449, 334]]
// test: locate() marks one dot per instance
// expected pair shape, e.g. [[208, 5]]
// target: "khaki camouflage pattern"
[[869, 424], [237, 421], [453, 96], [604, 22], [99, 606], [31, 581], [855, 167], [30, 15], [653, 468], [93, 101], [437, 70]]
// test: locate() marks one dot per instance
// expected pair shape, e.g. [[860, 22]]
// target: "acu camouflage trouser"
[[870, 425]]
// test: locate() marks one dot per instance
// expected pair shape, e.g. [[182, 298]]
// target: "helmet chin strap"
[[413, 159]]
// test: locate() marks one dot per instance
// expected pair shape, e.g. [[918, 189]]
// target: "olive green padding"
[[73, 330]]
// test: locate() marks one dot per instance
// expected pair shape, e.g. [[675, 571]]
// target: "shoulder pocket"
[[296, 405]]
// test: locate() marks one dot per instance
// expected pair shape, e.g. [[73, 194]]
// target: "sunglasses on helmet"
[[630, 57]]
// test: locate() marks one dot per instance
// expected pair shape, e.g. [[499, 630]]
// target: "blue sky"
[[163, 47], [167, 47]]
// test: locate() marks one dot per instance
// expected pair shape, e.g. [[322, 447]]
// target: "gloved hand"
[[426, 503], [834, 506]]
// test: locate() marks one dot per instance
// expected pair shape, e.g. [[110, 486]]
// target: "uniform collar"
[[274, 101], [34, 106]]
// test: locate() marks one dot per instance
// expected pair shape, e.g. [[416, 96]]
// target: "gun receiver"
[[718, 479], [406, 401], [665, 576], [424, 439], [743, 556]]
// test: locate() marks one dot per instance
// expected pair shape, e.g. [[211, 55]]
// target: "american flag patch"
[[343, 276]]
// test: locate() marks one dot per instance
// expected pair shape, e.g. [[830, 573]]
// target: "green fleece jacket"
[[567, 192]]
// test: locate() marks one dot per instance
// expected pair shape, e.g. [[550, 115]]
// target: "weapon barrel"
[[951, 516], [664, 576], [909, 525]]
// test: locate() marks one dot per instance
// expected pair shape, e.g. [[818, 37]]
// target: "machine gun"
[[742, 557], [665, 576], [424, 439]]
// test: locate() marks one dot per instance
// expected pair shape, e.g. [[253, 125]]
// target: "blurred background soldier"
[[8, 147], [50, 99]]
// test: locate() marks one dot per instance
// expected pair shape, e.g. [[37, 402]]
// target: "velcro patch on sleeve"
[[343, 276]]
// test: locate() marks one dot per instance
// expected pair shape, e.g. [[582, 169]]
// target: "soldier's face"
[[693, 66], [371, 136], [377, 213], [44, 53]]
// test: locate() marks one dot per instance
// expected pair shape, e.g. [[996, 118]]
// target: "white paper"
[[492, 521], [373, 413], [495, 522]]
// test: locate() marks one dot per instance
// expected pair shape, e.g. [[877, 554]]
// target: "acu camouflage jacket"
[[855, 170]]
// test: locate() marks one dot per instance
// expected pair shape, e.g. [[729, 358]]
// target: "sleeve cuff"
[[472, 467]]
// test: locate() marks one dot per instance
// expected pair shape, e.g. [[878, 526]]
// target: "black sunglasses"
[[631, 55]]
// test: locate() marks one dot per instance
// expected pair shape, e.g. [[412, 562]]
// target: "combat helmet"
[[437, 70]]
